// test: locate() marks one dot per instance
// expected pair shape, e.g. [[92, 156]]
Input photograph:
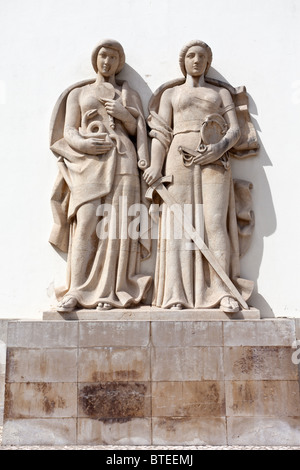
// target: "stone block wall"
[[3, 340], [152, 383]]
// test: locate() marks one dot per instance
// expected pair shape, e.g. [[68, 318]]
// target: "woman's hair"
[[112, 44], [184, 50]]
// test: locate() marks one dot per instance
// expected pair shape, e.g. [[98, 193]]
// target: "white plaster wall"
[[45, 46]]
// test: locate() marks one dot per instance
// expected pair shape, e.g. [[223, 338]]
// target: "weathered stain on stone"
[[111, 421], [213, 393], [114, 400], [247, 393], [9, 403], [206, 401], [126, 375], [264, 398], [242, 396], [43, 365], [248, 362], [40, 400], [170, 425], [254, 359], [203, 410], [61, 402], [188, 399], [11, 363], [48, 406], [41, 387]]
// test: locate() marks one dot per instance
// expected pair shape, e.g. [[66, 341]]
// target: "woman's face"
[[196, 61], [107, 61]]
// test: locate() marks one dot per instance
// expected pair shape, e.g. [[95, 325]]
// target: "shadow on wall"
[[251, 169], [266, 222], [137, 83]]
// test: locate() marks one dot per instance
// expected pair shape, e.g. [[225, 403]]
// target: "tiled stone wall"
[[3, 340], [152, 382]]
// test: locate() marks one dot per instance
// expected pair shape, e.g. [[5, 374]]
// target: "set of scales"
[[213, 129]]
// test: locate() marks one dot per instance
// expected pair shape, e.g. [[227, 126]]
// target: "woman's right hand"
[[151, 174], [94, 146]]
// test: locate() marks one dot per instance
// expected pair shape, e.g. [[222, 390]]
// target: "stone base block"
[[146, 379], [39, 432], [152, 314], [3, 335]]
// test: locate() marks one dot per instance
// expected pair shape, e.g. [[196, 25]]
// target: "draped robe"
[[114, 272], [182, 274]]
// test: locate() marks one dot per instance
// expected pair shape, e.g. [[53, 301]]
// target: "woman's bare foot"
[[104, 306], [67, 305], [176, 307], [229, 305]]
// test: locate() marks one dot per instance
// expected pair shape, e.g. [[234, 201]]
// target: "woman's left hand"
[[212, 153]]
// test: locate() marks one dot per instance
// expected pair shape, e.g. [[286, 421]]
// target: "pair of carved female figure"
[[100, 137]]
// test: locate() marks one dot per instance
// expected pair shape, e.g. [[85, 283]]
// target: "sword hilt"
[[152, 188]]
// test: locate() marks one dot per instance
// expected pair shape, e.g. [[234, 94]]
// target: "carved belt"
[[188, 157], [212, 131]]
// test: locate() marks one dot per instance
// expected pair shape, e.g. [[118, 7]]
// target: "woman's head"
[[108, 56], [188, 52]]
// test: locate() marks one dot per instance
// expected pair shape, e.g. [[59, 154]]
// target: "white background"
[[45, 46]]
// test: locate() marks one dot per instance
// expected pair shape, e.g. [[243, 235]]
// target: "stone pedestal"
[[137, 381], [3, 335]]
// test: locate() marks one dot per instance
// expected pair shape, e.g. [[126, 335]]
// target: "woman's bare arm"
[[215, 151], [117, 110], [91, 146], [158, 150]]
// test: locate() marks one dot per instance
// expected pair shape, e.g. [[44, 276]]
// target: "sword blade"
[[199, 242]]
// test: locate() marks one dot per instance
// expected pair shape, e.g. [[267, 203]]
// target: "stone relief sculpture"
[[197, 124], [98, 134]]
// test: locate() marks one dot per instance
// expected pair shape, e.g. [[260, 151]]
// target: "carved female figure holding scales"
[[194, 124]]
